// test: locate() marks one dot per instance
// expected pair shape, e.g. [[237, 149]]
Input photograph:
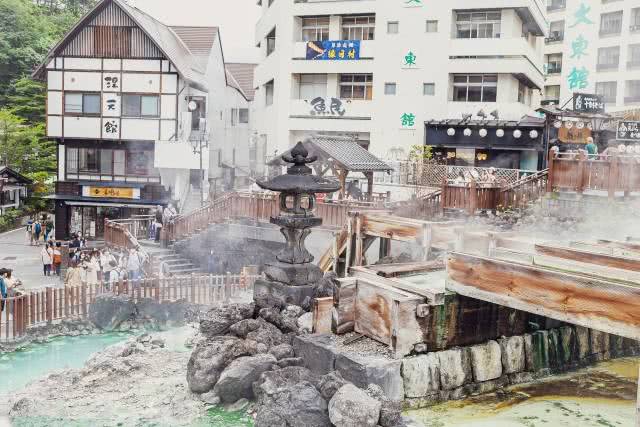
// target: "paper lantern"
[[533, 134], [483, 133], [467, 132], [580, 125], [500, 133], [622, 148], [451, 131], [557, 124], [568, 125], [517, 133]]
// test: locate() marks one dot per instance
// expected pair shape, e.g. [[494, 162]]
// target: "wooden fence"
[[470, 198], [55, 304], [578, 172]]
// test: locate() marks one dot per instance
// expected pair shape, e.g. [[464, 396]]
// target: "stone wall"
[[460, 372]]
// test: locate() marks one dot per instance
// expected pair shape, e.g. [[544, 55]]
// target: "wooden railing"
[[520, 194], [259, 207], [55, 304], [470, 197], [579, 172], [426, 207], [117, 234]]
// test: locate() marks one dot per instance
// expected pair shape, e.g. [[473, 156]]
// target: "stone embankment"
[[247, 352]]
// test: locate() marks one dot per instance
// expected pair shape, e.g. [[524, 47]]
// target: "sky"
[[236, 19]]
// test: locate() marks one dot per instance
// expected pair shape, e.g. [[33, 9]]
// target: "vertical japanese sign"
[[111, 105], [412, 3], [407, 121], [578, 74], [111, 82], [334, 50], [111, 128]]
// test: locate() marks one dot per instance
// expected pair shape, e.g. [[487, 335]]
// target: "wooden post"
[[359, 241], [551, 162], [443, 195], [49, 305], [613, 176], [227, 287], [369, 176], [638, 405], [582, 172], [473, 197], [336, 254], [347, 260], [427, 237]]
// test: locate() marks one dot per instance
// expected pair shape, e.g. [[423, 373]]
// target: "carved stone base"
[[293, 274], [285, 294]]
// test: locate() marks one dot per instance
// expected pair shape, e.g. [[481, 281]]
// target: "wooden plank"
[[597, 304], [396, 270], [434, 295], [322, 309], [621, 245], [624, 263], [343, 302]]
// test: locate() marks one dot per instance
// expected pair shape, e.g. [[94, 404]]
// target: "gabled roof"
[[199, 41], [240, 76], [169, 43], [7, 171], [342, 151]]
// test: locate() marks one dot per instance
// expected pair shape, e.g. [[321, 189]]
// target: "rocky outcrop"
[[109, 311], [353, 407], [209, 359], [218, 320], [236, 381], [486, 361]]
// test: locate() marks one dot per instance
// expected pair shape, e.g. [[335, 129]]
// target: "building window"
[[634, 24], [271, 42], [315, 29], [554, 63], [611, 23], [356, 86], [268, 93], [556, 32], [393, 27], [358, 27], [478, 25], [634, 56], [312, 86], [632, 91], [553, 5], [140, 105], [608, 58], [608, 91], [475, 88], [551, 94], [390, 88], [432, 27], [239, 116], [522, 93], [429, 89], [105, 162], [82, 103]]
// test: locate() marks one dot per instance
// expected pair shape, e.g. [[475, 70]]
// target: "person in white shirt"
[[133, 265], [46, 254]]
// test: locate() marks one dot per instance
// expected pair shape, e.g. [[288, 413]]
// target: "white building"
[[418, 62], [130, 102], [593, 47]]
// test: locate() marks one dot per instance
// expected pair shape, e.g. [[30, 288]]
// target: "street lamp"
[[199, 142]]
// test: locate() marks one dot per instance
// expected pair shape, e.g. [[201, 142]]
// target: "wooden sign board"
[[574, 135]]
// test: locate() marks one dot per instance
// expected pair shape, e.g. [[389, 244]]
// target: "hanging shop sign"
[[588, 103], [574, 134], [628, 131], [327, 107], [111, 192], [333, 50]]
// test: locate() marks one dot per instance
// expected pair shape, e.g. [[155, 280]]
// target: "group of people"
[[10, 286], [487, 176], [106, 266], [162, 217], [38, 230]]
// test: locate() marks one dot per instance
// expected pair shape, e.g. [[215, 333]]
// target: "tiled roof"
[[199, 41], [240, 76], [349, 153]]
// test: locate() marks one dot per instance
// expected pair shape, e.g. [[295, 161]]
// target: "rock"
[[317, 351], [486, 361], [210, 397], [390, 411], [582, 338], [290, 361], [271, 315], [455, 368], [288, 397], [109, 311], [363, 371], [282, 351], [217, 321], [420, 348], [512, 350], [421, 375], [268, 335], [236, 381], [352, 407], [244, 327], [209, 359], [240, 405], [305, 323], [326, 286], [289, 318], [330, 384]]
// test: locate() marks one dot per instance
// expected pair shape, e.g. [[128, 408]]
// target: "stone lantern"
[[292, 276]]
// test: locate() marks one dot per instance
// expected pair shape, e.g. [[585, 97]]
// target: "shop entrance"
[[89, 220]]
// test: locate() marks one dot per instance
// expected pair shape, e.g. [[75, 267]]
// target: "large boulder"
[[217, 321], [109, 311], [352, 407], [329, 384], [209, 359], [513, 358], [236, 381], [455, 368], [486, 361], [268, 334], [421, 375], [282, 351], [390, 411], [289, 397]]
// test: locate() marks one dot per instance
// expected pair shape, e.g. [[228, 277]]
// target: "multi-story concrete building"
[[385, 71], [593, 47], [136, 107]]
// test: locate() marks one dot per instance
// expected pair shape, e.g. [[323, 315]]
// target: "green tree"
[[27, 100], [23, 147]]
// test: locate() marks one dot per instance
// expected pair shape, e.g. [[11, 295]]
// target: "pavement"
[[24, 260]]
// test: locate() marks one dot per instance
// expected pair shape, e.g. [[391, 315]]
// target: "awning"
[[109, 205]]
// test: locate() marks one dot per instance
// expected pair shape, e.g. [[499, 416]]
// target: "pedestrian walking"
[[93, 266], [133, 265], [3, 288], [57, 258], [73, 276], [37, 231], [30, 232], [48, 227], [46, 255]]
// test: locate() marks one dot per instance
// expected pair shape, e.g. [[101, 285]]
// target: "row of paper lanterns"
[[499, 133], [569, 124]]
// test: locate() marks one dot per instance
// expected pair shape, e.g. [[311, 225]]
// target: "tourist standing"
[[93, 266], [3, 288], [48, 227], [37, 231], [57, 258], [46, 255], [30, 232], [133, 265], [211, 263], [73, 276]]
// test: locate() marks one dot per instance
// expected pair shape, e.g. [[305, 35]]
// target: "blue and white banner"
[[334, 50]]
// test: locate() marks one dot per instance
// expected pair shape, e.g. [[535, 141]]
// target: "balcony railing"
[[556, 36], [606, 67], [556, 7], [554, 69]]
